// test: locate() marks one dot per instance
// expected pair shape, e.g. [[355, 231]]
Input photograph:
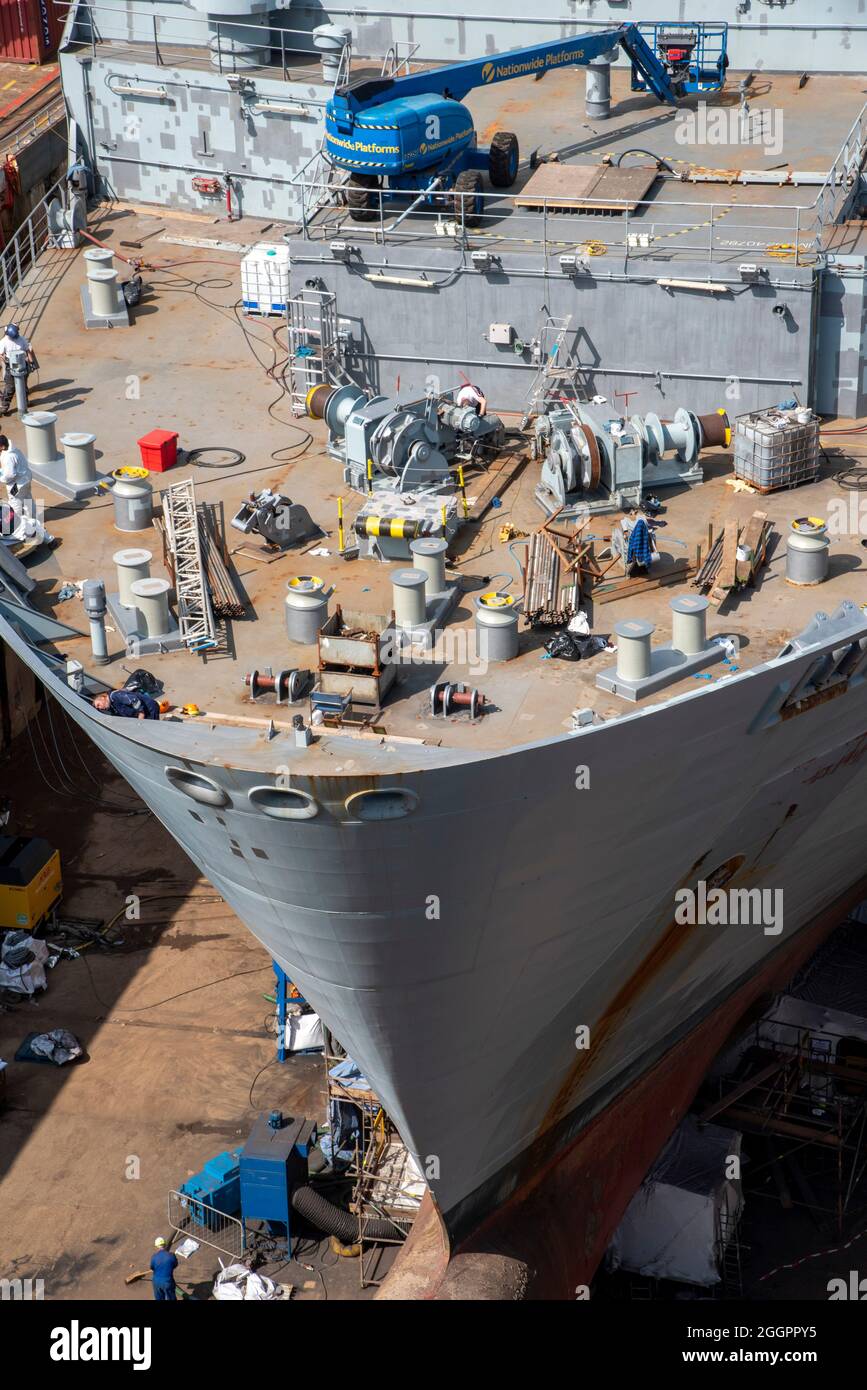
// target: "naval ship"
[[480, 900]]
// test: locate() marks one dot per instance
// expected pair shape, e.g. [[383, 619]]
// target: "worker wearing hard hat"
[[471, 395], [163, 1265], [12, 345]]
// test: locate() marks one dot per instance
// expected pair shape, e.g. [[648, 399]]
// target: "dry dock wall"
[[671, 346]]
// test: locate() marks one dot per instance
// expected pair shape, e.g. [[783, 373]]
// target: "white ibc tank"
[[265, 279]]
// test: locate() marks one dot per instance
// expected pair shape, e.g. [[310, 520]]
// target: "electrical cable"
[[71, 788], [144, 1008], [268, 1064], [194, 456], [636, 149], [852, 479]]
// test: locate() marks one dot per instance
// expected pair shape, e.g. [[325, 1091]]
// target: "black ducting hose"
[[662, 163], [335, 1221]]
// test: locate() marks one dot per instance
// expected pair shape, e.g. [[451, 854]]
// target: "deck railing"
[[29, 264]]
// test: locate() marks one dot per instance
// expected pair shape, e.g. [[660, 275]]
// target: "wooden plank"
[[760, 1122], [753, 537], [727, 572], [496, 480], [608, 594], [743, 1089]]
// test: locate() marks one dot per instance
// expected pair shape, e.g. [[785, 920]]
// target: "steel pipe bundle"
[[542, 580], [226, 601]]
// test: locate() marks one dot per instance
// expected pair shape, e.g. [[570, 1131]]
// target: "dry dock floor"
[[173, 1029]]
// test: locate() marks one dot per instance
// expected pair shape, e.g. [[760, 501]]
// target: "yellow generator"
[[30, 883]]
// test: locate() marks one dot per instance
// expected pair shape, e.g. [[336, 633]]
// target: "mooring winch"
[[596, 463]]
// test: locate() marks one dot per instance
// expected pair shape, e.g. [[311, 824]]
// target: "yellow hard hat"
[[160, 1242]]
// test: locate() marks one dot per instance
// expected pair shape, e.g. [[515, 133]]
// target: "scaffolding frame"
[[374, 1171], [812, 1105]]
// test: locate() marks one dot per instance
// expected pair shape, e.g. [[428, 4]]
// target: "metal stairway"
[[557, 369]]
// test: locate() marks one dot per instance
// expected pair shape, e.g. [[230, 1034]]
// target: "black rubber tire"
[[503, 159], [465, 197], [363, 206], [336, 1221]]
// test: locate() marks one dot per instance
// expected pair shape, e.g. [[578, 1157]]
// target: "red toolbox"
[[159, 450]]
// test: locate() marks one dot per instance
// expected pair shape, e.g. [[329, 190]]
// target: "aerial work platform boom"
[[414, 132]]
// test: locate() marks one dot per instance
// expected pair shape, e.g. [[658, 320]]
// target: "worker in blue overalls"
[[164, 1264]]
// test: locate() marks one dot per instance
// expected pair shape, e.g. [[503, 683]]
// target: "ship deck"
[[697, 210], [189, 363]]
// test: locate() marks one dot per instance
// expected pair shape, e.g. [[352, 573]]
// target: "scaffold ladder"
[[315, 354], [195, 616]]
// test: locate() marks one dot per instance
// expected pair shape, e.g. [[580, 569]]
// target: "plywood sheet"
[[587, 187]]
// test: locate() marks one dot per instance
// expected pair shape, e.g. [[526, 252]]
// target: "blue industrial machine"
[[411, 135], [273, 1162], [216, 1189]]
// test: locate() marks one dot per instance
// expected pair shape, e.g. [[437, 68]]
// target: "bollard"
[[40, 440], [633, 648], [408, 596], [151, 598], [80, 458], [131, 565], [688, 624]]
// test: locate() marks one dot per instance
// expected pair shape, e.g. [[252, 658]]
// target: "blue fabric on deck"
[[639, 552]]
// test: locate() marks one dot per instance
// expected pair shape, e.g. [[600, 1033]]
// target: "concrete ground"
[[177, 1061]]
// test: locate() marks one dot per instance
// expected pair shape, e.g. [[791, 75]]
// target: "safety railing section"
[[840, 188], [664, 229], [30, 262], [205, 1224], [227, 46], [223, 45], [32, 127]]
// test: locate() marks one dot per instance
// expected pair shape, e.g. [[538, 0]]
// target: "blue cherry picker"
[[401, 137]]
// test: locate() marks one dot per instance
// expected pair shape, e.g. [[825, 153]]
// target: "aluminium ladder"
[[557, 371]]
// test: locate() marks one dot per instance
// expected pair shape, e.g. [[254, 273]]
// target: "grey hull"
[[458, 949]]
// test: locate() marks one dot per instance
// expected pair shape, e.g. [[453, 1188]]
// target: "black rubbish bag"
[[568, 646], [142, 680]]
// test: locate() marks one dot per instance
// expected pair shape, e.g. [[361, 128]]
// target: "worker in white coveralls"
[[472, 396], [15, 475]]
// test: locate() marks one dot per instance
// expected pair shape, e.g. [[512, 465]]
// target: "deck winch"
[[383, 442], [596, 463]]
